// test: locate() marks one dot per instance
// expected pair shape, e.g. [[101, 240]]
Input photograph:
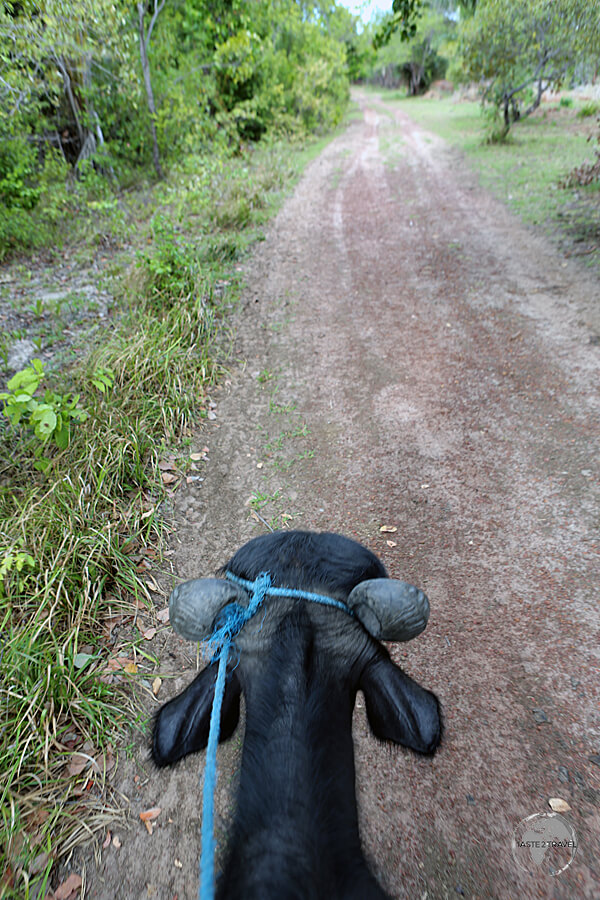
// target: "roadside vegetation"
[[531, 171], [142, 149], [513, 76]]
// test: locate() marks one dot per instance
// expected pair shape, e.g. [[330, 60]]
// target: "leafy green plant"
[[588, 109], [170, 266], [13, 562], [49, 418], [103, 379]]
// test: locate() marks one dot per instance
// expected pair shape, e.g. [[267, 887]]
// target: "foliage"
[[402, 21], [514, 48], [421, 59], [49, 418], [525, 172], [170, 267], [588, 172]]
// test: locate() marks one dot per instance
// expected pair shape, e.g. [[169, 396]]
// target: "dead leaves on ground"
[[69, 889], [87, 756], [170, 471], [148, 816]]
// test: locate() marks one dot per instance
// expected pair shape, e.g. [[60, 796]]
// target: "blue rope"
[[230, 622], [289, 592]]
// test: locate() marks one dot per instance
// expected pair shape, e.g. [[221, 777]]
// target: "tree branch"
[[155, 14]]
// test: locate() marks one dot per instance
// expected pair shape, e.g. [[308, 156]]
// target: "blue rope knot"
[[228, 625]]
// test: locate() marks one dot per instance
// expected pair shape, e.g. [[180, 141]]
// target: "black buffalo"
[[299, 665]]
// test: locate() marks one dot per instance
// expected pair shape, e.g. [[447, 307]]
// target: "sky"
[[366, 8]]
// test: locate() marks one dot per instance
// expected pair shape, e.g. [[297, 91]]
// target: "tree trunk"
[[144, 40]]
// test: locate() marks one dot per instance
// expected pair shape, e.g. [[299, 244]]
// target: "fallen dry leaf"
[[196, 456], [149, 633], [152, 584], [163, 615], [167, 478], [107, 760], [111, 622], [130, 668], [558, 805], [149, 827], [68, 888], [116, 843], [388, 529], [167, 464], [148, 815], [78, 763], [156, 686], [391, 543], [107, 840], [118, 662]]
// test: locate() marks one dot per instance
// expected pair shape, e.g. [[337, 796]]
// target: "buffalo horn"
[[390, 610], [194, 605]]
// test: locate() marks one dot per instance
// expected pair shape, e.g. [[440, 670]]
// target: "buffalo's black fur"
[[295, 833], [308, 561]]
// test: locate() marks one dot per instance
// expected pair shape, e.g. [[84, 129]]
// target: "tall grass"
[[69, 536]]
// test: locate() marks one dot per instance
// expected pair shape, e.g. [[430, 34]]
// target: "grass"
[[75, 539], [525, 171]]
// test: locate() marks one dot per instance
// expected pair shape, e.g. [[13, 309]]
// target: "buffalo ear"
[[398, 709], [181, 726]]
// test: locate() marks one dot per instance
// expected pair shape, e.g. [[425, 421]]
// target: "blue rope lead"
[[289, 592], [230, 623], [207, 858]]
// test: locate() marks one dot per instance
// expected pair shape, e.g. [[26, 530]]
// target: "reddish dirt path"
[[444, 363]]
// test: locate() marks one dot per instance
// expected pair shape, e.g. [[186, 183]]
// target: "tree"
[[418, 61], [144, 38], [52, 51], [403, 20], [518, 49]]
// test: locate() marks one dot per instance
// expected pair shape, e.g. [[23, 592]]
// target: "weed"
[[49, 418], [69, 537], [38, 308], [280, 408], [259, 501], [588, 109]]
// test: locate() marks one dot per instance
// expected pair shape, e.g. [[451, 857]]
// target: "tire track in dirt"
[[438, 353]]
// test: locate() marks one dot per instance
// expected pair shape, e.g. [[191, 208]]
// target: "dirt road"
[[413, 357]]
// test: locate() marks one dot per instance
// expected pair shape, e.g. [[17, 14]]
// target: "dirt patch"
[[411, 356]]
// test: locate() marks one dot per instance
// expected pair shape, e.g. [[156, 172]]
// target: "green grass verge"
[[525, 171], [71, 536]]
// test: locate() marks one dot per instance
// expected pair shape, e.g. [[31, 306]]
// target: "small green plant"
[[171, 266], [258, 500], [14, 561], [37, 308], [588, 109], [49, 418], [566, 101], [265, 376], [103, 379]]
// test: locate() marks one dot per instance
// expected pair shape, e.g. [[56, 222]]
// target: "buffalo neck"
[[296, 822]]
